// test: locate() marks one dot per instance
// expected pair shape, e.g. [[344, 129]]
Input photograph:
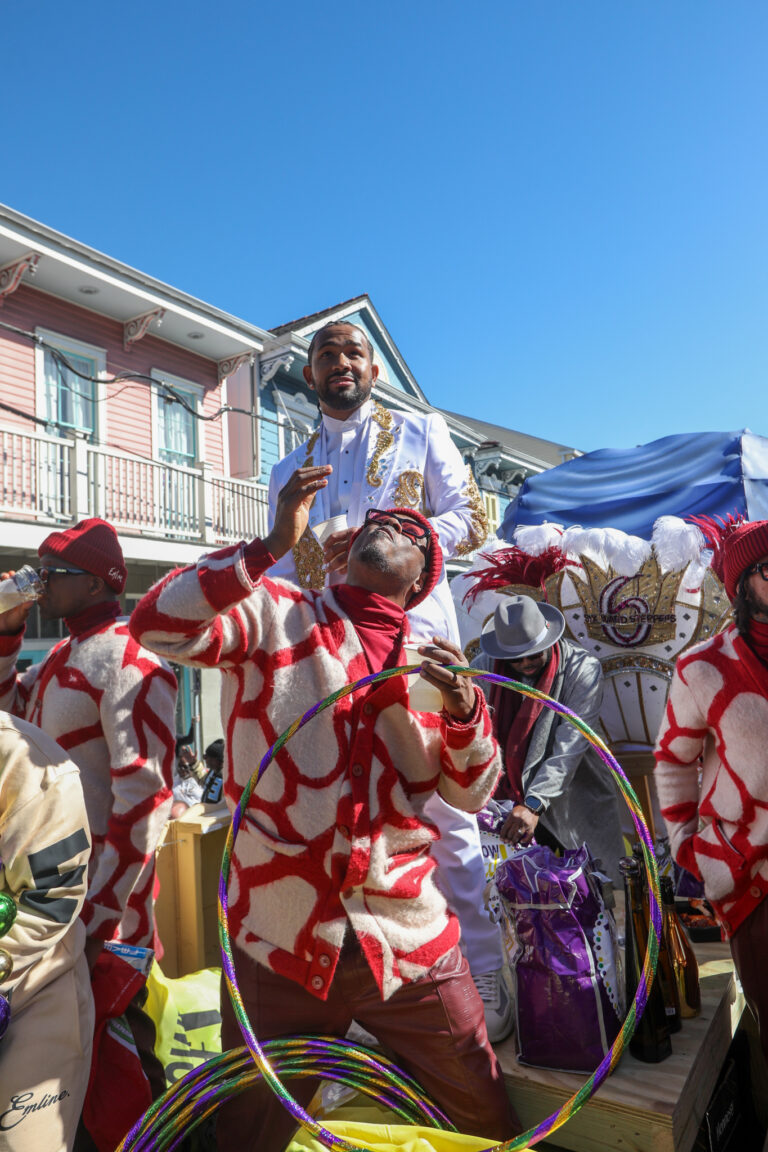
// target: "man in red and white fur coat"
[[111, 705], [711, 769], [333, 906]]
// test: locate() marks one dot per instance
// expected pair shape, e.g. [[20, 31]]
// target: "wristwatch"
[[534, 804]]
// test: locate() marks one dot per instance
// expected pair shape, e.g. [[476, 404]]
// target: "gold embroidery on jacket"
[[410, 489], [478, 520], [309, 461], [384, 442], [308, 553], [308, 558]]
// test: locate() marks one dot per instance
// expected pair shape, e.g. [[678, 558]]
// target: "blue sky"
[[557, 206]]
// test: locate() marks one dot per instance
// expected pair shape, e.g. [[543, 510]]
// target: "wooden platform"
[[188, 866], [641, 1107]]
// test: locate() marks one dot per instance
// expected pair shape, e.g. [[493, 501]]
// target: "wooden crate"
[[188, 867], [641, 1107]]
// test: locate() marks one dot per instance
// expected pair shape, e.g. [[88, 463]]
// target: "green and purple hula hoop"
[[202, 1091]]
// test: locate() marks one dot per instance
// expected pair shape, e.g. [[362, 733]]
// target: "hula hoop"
[[204, 1089]]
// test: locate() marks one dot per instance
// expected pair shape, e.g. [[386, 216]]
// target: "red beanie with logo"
[[744, 545], [93, 546], [433, 564]]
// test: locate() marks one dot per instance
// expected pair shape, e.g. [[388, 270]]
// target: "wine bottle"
[[665, 971], [684, 964], [651, 1042]]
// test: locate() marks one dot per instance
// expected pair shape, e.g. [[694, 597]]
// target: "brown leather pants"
[[749, 944], [435, 1027]]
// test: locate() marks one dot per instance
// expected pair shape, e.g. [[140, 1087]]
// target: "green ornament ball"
[[7, 913]]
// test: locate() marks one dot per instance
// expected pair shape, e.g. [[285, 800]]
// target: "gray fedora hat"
[[521, 627]]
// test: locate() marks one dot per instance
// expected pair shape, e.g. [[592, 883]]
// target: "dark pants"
[[749, 945], [435, 1026]]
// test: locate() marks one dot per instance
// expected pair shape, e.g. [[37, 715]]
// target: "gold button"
[[357, 769], [317, 982], [755, 891]]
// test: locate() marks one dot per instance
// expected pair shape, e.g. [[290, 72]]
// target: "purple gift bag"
[[568, 982]]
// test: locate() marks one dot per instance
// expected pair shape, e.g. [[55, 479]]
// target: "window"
[[491, 501], [68, 397], [177, 427], [297, 418]]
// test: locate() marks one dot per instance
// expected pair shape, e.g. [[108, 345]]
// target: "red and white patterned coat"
[[111, 705], [717, 816], [333, 832]]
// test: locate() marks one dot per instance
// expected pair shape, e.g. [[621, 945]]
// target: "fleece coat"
[[334, 833], [711, 773], [111, 705]]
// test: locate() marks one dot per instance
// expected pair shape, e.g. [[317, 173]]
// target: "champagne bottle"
[[665, 972], [684, 964], [651, 1042]]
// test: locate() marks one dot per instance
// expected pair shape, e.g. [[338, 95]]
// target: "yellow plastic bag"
[[370, 1129], [187, 1019]]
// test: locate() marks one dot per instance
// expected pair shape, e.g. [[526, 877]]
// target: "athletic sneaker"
[[499, 1011]]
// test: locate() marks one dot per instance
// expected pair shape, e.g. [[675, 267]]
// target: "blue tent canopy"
[[705, 473]]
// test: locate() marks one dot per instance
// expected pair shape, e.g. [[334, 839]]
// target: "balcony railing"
[[61, 480], [35, 476]]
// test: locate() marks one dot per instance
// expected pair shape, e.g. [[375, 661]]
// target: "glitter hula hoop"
[[203, 1090]]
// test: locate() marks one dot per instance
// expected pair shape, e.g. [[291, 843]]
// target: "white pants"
[[460, 874], [45, 1062]]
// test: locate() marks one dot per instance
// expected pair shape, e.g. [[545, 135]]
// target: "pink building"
[[149, 452]]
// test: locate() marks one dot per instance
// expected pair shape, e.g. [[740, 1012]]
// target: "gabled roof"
[[359, 310], [519, 443], [310, 322]]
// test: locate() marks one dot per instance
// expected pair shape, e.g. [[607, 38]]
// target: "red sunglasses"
[[413, 529]]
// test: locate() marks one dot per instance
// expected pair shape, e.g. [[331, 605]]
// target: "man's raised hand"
[[294, 501], [458, 691]]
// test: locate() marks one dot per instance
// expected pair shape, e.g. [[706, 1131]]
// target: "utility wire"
[[129, 378]]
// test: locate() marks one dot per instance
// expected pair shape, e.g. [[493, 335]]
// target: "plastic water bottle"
[[23, 586]]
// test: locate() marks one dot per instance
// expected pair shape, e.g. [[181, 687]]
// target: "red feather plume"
[[514, 566], [716, 530]]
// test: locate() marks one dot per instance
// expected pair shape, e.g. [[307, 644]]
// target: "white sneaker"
[[499, 1011]]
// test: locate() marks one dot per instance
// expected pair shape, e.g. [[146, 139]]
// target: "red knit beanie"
[[91, 545], [433, 565], [741, 548]]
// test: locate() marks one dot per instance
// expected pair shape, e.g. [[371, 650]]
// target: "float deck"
[[641, 1107]]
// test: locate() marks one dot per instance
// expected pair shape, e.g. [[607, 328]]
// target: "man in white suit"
[[381, 459]]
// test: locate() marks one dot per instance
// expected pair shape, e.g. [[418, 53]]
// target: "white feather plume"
[[625, 554], [536, 538], [578, 541], [676, 543]]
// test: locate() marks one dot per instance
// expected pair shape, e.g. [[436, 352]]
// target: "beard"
[[372, 554], [349, 398], [757, 609]]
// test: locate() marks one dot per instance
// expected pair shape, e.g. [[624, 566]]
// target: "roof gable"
[[393, 369]]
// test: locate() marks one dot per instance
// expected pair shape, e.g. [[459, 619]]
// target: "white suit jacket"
[[410, 462]]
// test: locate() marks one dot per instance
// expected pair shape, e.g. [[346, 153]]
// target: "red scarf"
[[379, 623], [514, 717], [758, 639], [93, 618]]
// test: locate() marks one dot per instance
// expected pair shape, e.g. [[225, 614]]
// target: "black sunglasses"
[[413, 529], [45, 573], [762, 568]]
